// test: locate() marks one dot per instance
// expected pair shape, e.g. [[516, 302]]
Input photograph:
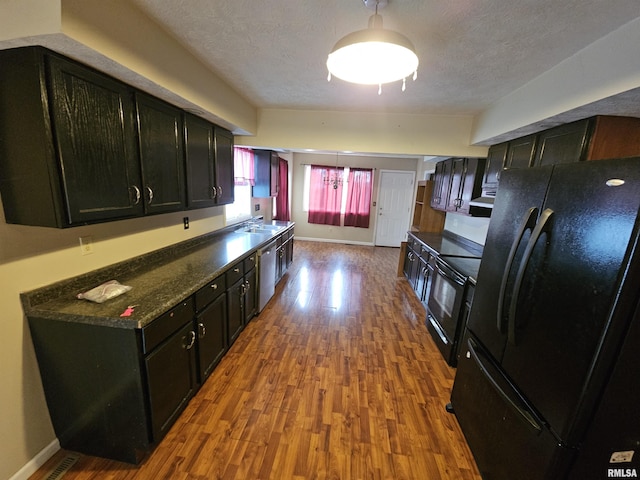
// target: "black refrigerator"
[[548, 378]]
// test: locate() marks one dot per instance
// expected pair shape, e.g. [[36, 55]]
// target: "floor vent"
[[63, 467]]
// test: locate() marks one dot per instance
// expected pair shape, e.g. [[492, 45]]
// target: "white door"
[[395, 198]]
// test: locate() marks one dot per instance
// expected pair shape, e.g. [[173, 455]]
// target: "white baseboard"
[[36, 462]]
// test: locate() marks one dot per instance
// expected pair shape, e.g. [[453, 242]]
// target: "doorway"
[[395, 198]]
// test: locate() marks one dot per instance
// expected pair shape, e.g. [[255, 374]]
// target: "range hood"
[[482, 202]]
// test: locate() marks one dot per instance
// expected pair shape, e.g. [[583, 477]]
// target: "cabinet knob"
[[214, 286], [219, 191], [214, 192], [202, 330], [236, 270]]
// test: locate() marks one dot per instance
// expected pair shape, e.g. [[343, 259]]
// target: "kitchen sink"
[[259, 229]]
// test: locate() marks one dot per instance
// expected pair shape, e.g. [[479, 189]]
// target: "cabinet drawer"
[[163, 326], [234, 274], [208, 294], [250, 262]]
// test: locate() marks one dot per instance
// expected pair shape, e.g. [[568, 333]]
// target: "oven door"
[[443, 308]]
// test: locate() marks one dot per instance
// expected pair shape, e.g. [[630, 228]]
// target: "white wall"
[[366, 236]]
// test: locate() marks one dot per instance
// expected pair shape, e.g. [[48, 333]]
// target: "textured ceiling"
[[472, 52]]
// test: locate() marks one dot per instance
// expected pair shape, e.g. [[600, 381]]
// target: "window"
[[240, 209], [327, 201]]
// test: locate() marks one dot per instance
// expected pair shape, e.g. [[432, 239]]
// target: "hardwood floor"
[[337, 378]]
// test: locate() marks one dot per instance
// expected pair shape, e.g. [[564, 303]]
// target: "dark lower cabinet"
[[250, 295], [235, 301], [212, 336], [284, 253], [114, 391], [171, 379], [211, 325], [94, 385]]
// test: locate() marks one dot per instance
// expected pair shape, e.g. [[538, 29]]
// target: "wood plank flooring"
[[336, 379]]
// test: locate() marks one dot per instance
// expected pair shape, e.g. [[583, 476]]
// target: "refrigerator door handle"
[[528, 222], [535, 235], [522, 409]]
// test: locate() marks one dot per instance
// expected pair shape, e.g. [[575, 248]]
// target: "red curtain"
[[282, 199], [357, 211], [325, 195], [243, 166]]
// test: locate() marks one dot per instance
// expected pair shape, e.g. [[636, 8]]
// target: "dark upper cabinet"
[[79, 147], [209, 169], [466, 183], [199, 155], [594, 138], [267, 168], [68, 142], [496, 157], [223, 166], [441, 185], [563, 144], [521, 152], [160, 135], [456, 182]]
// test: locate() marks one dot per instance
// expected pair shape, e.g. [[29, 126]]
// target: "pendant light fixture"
[[373, 56]]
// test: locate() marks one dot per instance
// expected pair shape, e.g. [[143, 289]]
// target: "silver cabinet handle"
[[202, 330], [192, 340], [219, 191], [136, 201], [214, 192], [214, 286], [150, 192]]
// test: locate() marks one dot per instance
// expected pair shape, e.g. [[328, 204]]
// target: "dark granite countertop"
[[159, 280], [448, 243]]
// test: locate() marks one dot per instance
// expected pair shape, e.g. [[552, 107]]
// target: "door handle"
[[535, 235], [528, 222]]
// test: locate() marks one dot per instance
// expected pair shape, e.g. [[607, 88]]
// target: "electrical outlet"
[[185, 220], [257, 207], [86, 245]]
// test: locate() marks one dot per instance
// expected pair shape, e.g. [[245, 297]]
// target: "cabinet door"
[[94, 130], [250, 295], [171, 379], [212, 339], [408, 259], [160, 139], [495, 163], [275, 174], [235, 304], [442, 179], [266, 176], [223, 165], [201, 188], [521, 152], [564, 144], [289, 251], [456, 189], [471, 184]]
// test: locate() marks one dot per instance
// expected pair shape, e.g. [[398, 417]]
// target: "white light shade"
[[372, 57]]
